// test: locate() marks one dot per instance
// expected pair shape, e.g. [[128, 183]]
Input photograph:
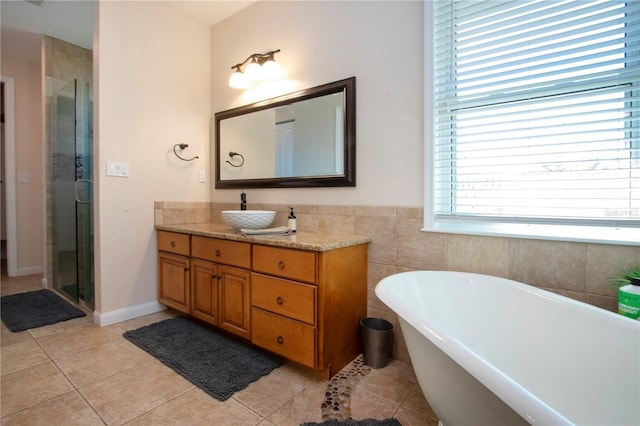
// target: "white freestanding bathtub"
[[488, 350]]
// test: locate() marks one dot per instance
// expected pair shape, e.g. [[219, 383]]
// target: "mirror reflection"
[[302, 139]]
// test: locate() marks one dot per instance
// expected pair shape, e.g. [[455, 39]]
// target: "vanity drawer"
[[232, 253], [291, 339], [287, 263], [173, 242], [282, 297]]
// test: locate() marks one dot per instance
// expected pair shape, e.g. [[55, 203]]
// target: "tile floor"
[[75, 373]]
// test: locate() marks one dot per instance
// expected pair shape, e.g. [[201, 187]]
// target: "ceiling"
[[72, 20]]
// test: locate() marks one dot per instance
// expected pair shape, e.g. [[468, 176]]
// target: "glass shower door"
[[71, 193]]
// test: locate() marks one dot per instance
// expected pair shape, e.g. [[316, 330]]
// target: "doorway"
[[7, 172]]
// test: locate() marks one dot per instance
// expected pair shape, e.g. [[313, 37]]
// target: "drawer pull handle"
[[279, 300], [173, 243], [281, 265], [217, 253], [280, 340]]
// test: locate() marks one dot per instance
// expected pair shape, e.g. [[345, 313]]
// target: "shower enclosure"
[[70, 191]]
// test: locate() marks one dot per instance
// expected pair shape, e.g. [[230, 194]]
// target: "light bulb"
[[254, 71], [272, 70], [238, 80]]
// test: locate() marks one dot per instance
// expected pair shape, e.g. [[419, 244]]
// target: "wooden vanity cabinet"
[[173, 270], [305, 305]]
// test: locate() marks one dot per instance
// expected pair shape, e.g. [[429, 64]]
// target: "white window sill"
[[575, 233]]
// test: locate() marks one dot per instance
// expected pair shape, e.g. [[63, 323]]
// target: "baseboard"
[[29, 270], [124, 314]]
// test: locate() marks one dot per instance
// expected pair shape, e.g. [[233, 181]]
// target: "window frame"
[[582, 230]]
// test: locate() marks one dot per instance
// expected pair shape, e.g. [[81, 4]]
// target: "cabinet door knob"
[[281, 265], [217, 253], [173, 243], [279, 300], [280, 340]]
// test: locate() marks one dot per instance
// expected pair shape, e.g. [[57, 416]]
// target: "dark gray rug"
[[217, 364], [35, 309], [351, 422]]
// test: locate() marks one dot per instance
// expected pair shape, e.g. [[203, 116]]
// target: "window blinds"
[[537, 110]]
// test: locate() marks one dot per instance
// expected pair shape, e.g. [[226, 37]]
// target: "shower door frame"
[[72, 276]]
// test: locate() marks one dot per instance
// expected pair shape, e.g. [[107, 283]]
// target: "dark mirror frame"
[[348, 179]]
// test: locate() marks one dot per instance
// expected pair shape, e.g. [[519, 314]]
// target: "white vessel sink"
[[248, 219]]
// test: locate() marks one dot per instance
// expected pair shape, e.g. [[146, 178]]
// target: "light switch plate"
[[203, 176], [119, 169], [24, 178]]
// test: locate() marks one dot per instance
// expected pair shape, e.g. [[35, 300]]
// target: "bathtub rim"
[[525, 403]]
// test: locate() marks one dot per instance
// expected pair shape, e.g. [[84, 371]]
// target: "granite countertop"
[[300, 240]]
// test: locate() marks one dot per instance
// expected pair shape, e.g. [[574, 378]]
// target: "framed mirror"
[[302, 139]]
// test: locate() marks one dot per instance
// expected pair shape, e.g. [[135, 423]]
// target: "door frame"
[[10, 173]]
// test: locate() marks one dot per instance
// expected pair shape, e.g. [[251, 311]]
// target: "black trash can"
[[377, 336]]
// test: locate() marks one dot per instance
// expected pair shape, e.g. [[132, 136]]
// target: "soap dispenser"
[[243, 201], [291, 221]]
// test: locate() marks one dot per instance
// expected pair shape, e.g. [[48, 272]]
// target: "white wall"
[[152, 90], [378, 42], [155, 86]]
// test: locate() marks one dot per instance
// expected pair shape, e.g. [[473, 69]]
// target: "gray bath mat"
[[35, 309], [351, 422], [217, 364]]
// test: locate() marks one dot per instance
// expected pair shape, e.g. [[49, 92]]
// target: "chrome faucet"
[[243, 201]]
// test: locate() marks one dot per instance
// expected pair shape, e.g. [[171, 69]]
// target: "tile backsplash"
[[577, 270]]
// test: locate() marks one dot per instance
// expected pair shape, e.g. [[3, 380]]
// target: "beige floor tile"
[[273, 390], [20, 284], [72, 341], [119, 383], [31, 386], [101, 361], [305, 406], [68, 410], [62, 327], [366, 405], [10, 338], [197, 408], [143, 321], [411, 418], [416, 402], [392, 382], [22, 355], [131, 393]]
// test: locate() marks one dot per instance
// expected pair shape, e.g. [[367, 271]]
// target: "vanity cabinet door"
[[234, 301], [204, 291], [173, 281]]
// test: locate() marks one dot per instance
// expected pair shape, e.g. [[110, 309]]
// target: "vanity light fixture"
[[262, 66]]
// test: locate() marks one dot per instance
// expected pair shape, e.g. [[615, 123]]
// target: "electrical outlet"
[[203, 176]]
